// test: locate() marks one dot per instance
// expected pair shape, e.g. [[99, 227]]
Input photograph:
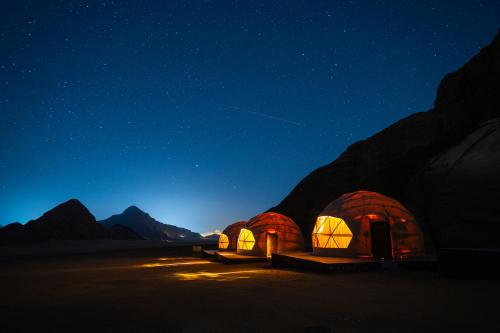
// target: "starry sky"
[[206, 112]]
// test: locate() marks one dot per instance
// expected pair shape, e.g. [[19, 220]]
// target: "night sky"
[[206, 112]]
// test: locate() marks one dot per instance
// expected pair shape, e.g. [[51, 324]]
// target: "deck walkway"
[[229, 257], [307, 261]]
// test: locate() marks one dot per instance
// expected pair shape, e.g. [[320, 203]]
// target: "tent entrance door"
[[381, 240], [271, 244]]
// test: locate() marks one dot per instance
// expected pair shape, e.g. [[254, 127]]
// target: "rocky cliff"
[[400, 160]]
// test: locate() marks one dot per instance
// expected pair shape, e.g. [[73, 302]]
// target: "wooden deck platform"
[[235, 258], [307, 261]]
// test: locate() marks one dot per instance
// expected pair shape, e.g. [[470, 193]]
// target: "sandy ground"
[[173, 292]]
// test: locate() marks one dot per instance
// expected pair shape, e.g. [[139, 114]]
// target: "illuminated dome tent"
[[269, 233], [367, 224], [228, 239]]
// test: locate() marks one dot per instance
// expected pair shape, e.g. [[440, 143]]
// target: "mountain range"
[[148, 227], [71, 220]]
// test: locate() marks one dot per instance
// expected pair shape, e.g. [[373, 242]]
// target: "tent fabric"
[[343, 227], [289, 237], [231, 232], [460, 190]]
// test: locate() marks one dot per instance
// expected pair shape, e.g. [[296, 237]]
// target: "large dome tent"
[[367, 225], [460, 191], [269, 233]]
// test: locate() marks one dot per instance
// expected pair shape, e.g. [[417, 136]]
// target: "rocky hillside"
[[402, 160], [148, 227], [70, 220]]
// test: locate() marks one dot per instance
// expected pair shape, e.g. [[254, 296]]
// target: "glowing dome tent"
[[367, 224], [229, 237], [269, 233]]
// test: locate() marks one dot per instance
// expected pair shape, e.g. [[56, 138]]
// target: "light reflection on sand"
[[175, 264], [174, 258], [223, 276]]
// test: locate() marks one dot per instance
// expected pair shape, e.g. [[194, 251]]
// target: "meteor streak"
[[263, 115]]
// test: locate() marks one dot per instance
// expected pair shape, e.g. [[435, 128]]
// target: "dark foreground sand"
[[168, 291]]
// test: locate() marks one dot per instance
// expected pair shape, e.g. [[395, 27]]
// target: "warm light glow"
[[331, 232], [188, 263], [246, 241], [174, 258], [223, 241], [223, 276]]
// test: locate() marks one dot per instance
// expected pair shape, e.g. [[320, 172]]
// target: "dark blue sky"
[[206, 112]]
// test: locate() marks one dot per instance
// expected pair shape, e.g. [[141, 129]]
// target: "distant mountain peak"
[[133, 210], [67, 210], [71, 203]]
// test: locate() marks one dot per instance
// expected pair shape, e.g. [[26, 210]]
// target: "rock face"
[[461, 189], [120, 232], [397, 161], [470, 96], [149, 228], [70, 220]]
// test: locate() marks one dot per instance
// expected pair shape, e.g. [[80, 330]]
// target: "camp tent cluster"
[[228, 239], [263, 235], [360, 224]]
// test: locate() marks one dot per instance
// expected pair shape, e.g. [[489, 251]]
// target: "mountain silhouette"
[[148, 227], [454, 203], [70, 220], [214, 237]]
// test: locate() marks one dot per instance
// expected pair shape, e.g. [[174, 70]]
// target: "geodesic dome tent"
[[269, 233], [367, 224], [460, 190], [228, 239]]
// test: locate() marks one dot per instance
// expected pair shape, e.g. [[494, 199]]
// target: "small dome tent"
[[269, 233], [367, 224], [229, 237]]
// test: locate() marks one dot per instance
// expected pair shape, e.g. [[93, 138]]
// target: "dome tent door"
[[271, 243], [381, 240]]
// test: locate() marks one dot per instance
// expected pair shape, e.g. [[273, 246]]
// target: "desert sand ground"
[[171, 291]]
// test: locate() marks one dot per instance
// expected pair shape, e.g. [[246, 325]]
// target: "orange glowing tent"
[[269, 233], [367, 225], [228, 239]]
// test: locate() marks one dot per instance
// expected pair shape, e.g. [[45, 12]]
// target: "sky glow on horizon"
[[203, 113]]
